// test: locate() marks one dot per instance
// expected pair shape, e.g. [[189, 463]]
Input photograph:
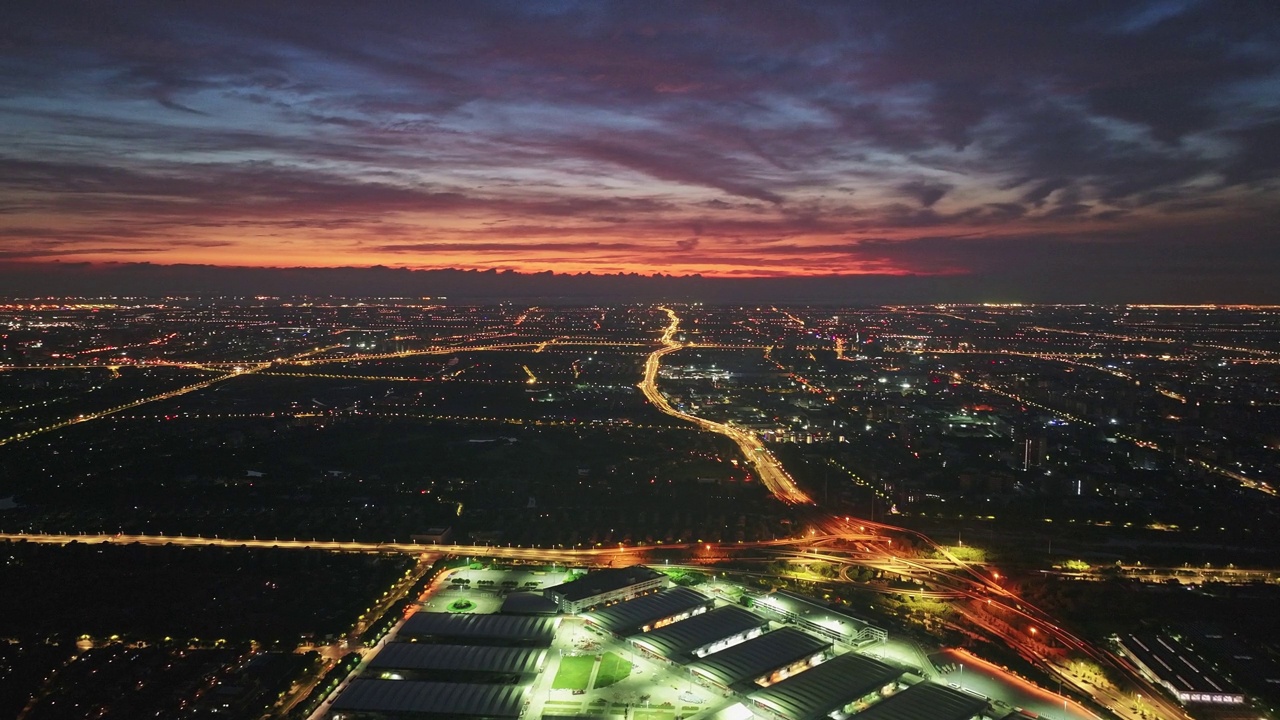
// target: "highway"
[[234, 371], [86, 417], [588, 554], [766, 466], [1026, 629]]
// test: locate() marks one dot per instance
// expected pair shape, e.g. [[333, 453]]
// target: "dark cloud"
[[926, 193], [46, 253], [1043, 189], [1124, 264], [427, 129], [1258, 162], [692, 165], [509, 248]]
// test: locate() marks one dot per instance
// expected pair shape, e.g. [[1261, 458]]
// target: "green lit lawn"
[[967, 553], [612, 669], [574, 672]]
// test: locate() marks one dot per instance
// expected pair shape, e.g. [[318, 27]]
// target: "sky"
[[1092, 147]]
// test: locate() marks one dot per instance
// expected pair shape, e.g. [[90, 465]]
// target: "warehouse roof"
[[461, 658], [1176, 664], [432, 698], [528, 603], [598, 582], [630, 616], [494, 629], [758, 657], [679, 639], [799, 608], [818, 691], [925, 701]]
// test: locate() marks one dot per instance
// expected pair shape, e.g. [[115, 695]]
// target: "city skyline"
[[1050, 506], [1057, 152]]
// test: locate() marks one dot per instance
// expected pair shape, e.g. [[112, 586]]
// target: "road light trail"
[[975, 583], [237, 371], [767, 467], [534, 345], [86, 417], [600, 553]]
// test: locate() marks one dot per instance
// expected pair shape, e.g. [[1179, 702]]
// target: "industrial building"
[[1187, 675], [763, 661], [845, 684], [461, 628], [703, 634], [829, 621], [456, 663], [528, 603], [601, 587], [396, 699], [926, 701], [650, 612]]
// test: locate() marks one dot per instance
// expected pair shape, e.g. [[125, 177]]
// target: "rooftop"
[[1176, 664], [432, 698], [818, 691], [629, 617], [758, 657], [678, 639], [601, 581], [833, 618], [528, 603], [496, 629], [926, 701], [461, 658]]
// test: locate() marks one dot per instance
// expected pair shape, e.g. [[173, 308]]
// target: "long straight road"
[[592, 554], [766, 466]]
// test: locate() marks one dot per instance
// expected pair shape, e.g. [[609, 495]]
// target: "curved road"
[[766, 466]]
